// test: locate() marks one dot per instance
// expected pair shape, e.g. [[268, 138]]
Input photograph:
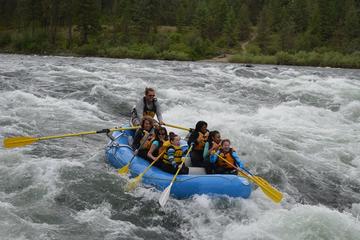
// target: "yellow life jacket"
[[177, 155], [201, 140], [228, 157], [147, 111]]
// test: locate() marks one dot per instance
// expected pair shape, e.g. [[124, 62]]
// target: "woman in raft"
[[211, 145], [157, 145], [143, 137], [226, 159], [198, 137]]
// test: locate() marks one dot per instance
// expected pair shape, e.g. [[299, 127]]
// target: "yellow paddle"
[[13, 142], [166, 193], [133, 183], [269, 190], [125, 169], [178, 127]]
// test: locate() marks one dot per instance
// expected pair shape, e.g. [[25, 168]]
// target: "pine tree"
[[87, 20], [352, 20], [264, 29], [230, 28], [244, 23], [287, 31], [202, 19]]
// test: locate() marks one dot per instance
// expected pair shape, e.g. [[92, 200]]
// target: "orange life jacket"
[[228, 157], [148, 141]]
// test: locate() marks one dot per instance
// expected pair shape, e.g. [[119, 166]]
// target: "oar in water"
[[166, 193], [13, 142], [125, 169], [134, 182], [269, 190]]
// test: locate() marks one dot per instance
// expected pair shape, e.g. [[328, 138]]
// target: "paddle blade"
[[133, 184], [124, 170], [269, 190], [165, 196], [18, 141]]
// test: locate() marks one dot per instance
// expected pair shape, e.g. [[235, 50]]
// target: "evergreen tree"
[[244, 23], [264, 29], [202, 19], [300, 14], [287, 31], [87, 20], [352, 20], [230, 30]]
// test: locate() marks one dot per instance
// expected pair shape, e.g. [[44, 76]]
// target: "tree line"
[[180, 29]]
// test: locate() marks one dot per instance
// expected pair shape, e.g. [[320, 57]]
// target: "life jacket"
[[149, 111], [177, 155], [228, 156], [160, 147], [148, 141], [201, 140]]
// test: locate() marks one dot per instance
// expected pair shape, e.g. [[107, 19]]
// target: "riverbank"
[[315, 59]]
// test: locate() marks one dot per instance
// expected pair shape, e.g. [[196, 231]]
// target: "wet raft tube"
[[119, 153]]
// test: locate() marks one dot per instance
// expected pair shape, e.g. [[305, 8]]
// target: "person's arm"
[[140, 109], [153, 147], [214, 156], [193, 138], [171, 155], [137, 138], [159, 112], [237, 159], [206, 150]]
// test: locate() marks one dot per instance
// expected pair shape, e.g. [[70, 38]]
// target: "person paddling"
[[147, 106], [229, 154], [157, 144], [143, 137]]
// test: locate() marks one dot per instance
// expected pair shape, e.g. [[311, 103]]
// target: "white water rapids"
[[297, 127]]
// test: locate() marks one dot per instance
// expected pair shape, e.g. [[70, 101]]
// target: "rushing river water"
[[297, 127]]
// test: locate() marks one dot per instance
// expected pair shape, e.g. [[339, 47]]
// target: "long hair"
[[149, 119], [199, 125], [160, 130]]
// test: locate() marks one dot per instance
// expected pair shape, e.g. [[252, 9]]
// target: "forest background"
[[293, 32]]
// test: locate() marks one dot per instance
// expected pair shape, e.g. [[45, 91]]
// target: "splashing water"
[[297, 127]]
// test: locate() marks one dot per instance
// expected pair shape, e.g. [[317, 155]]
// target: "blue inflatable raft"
[[119, 153]]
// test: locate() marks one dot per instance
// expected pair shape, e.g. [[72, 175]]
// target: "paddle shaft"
[[180, 166], [22, 141], [142, 144], [153, 162], [178, 127]]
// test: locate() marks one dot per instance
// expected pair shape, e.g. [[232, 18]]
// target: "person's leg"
[[220, 170], [184, 170], [196, 159], [167, 168]]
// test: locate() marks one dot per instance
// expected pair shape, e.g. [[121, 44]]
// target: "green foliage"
[[325, 59], [318, 32], [5, 39]]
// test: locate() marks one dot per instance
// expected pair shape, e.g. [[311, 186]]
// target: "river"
[[297, 127]]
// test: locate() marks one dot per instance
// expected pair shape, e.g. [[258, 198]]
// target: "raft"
[[119, 153]]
